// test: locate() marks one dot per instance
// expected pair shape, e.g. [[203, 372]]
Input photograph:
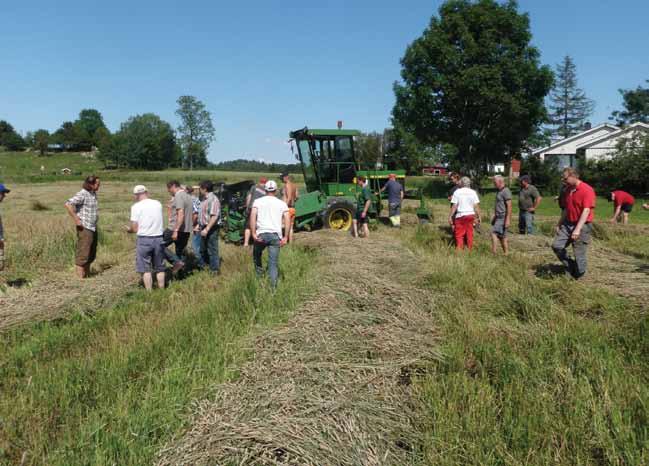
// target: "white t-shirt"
[[466, 199], [270, 212], [148, 215]]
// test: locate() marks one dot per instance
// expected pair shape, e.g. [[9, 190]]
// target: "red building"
[[435, 170]]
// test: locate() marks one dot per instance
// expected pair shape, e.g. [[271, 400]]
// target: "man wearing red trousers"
[[465, 213]]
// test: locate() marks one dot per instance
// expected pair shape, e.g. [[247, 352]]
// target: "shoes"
[[178, 266]]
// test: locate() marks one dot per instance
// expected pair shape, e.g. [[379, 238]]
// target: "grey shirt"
[[527, 197], [182, 200], [502, 197], [394, 189]]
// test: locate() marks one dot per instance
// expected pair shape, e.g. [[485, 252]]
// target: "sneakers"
[[178, 266]]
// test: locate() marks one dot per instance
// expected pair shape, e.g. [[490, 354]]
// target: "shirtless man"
[[289, 196]]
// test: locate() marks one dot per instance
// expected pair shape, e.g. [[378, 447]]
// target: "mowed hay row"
[[333, 385]]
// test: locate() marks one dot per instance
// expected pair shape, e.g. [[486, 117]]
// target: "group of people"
[[193, 212], [577, 201]]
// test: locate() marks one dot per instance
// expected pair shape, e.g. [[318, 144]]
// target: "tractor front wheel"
[[339, 216]]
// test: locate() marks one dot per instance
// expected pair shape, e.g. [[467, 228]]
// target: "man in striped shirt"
[[208, 221], [82, 207]]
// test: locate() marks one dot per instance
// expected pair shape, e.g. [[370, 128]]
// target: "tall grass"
[[112, 388], [535, 372]]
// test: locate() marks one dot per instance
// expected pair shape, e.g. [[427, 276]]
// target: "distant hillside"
[[24, 166], [243, 165]]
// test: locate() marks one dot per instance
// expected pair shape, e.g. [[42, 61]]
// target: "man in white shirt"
[[266, 218], [147, 223], [465, 213]]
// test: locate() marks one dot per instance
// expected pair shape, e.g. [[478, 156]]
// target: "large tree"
[[9, 138], [142, 142], [569, 106], [196, 130], [473, 81], [41, 140], [368, 148], [636, 106]]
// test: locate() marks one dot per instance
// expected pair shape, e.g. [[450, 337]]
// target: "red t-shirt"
[[622, 198], [579, 198]]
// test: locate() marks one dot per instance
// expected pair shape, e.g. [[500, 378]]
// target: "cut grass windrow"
[[112, 388]]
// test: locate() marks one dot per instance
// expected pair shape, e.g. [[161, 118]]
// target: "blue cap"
[[3, 189]]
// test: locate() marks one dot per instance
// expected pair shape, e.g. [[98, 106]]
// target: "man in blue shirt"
[[395, 197]]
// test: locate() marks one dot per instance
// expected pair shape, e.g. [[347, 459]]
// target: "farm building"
[[435, 170]]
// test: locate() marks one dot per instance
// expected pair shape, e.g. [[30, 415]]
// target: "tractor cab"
[[327, 159]]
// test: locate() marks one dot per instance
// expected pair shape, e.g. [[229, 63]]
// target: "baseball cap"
[[139, 189], [3, 189], [525, 178], [270, 186]]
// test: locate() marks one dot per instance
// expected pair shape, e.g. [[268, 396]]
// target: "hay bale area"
[[333, 385]]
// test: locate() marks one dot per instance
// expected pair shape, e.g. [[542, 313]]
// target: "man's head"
[[3, 191], [570, 177], [499, 182], [284, 177], [360, 180], [454, 178], [465, 182], [525, 181], [262, 181], [392, 176], [206, 187], [140, 192], [173, 186], [91, 184], [611, 197], [270, 187]]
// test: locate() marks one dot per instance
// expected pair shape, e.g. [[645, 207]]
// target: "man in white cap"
[[3, 192], [267, 217], [147, 223]]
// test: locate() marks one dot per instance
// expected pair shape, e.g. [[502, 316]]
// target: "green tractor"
[[330, 171]]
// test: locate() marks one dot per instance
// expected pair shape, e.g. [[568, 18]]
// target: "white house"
[[565, 150], [605, 147]]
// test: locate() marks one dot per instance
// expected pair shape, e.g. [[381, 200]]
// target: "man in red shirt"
[[575, 225], [623, 204]]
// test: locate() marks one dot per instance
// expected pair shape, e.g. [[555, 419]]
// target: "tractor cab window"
[[310, 175], [345, 158]]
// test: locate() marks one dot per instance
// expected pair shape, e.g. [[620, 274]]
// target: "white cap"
[[270, 186], [139, 189]]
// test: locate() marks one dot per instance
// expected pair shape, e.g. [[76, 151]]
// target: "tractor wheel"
[[339, 216]]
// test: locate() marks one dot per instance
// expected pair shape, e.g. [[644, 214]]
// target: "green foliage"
[[9, 138], [636, 106], [143, 142], [368, 149], [544, 173], [245, 165], [41, 140], [569, 106], [89, 122], [473, 81], [196, 131]]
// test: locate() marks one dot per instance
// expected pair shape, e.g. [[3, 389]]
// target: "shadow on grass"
[[644, 268], [549, 271]]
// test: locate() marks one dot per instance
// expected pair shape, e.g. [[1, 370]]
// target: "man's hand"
[[204, 232], [557, 228], [531, 209], [363, 214], [614, 220], [507, 223], [450, 221], [575, 234], [283, 241], [2, 244], [174, 235], [127, 229]]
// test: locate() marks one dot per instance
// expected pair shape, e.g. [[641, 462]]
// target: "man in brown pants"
[[82, 207]]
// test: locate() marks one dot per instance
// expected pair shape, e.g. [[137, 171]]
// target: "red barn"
[[435, 170]]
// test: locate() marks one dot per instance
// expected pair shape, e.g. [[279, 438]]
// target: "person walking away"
[[147, 223], [622, 204], [209, 224], [502, 216], [529, 199], [180, 225], [575, 225], [289, 196], [194, 192], [363, 205], [465, 213], [257, 191], [3, 192], [83, 209], [395, 198], [454, 178], [266, 218]]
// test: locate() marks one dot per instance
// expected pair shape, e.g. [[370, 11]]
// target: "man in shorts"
[[502, 216], [363, 205], [395, 198], [83, 209], [257, 191], [623, 205], [181, 224], [289, 196], [3, 192], [146, 223]]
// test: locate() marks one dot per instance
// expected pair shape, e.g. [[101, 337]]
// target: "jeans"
[[196, 247], [577, 266], [526, 222], [181, 244], [272, 242], [210, 250]]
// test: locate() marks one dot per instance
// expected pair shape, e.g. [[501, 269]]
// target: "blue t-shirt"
[[394, 189]]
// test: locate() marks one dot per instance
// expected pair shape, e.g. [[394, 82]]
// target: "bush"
[[544, 173]]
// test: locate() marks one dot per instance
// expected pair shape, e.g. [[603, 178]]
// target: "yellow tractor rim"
[[340, 219]]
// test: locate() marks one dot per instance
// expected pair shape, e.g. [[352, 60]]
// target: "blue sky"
[[266, 67]]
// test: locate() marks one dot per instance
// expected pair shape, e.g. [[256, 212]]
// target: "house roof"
[[583, 134], [615, 134]]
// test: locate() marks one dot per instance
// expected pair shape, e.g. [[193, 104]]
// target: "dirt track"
[[331, 386]]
